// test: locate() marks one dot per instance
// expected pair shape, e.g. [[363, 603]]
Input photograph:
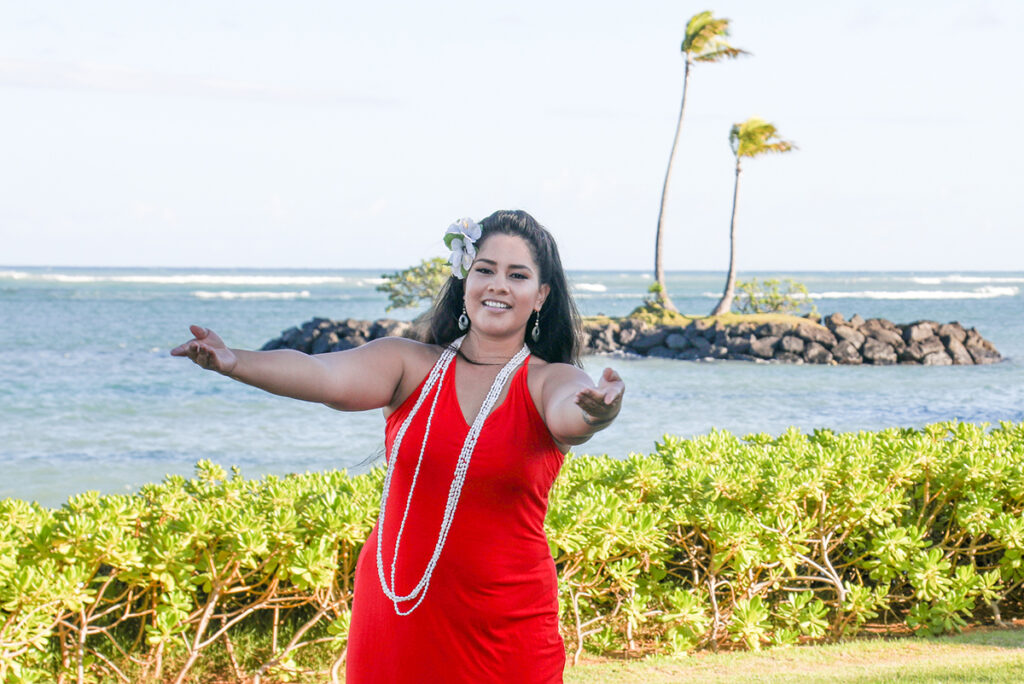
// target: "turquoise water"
[[90, 398]]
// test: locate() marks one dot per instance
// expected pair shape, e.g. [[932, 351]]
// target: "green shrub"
[[720, 540], [711, 542], [770, 297], [415, 284]]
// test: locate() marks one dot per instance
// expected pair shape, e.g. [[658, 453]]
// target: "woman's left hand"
[[601, 404]]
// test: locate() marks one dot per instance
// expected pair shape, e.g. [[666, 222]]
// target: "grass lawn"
[[979, 655]]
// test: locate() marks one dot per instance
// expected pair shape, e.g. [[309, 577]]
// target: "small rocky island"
[[775, 338]]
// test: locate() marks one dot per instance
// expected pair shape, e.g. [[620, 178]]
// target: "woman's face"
[[503, 286]]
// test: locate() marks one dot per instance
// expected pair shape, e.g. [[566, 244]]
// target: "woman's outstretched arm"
[[359, 379], [574, 409]]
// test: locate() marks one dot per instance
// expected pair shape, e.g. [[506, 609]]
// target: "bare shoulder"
[[395, 350], [372, 375], [551, 376], [417, 360], [549, 380], [409, 350]]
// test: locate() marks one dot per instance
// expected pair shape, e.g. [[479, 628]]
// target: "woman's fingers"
[[205, 357], [611, 386], [201, 349], [182, 349], [202, 338], [207, 335], [595, 401]]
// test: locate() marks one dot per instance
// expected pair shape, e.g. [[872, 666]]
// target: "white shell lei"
[[435, 377]]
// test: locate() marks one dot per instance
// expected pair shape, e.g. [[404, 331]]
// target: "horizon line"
[[567, 270]]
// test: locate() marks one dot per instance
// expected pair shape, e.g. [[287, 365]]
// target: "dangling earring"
[[463, 319], [535, 333]]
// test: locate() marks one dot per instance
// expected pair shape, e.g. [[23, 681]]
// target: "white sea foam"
[[184, 279], [13, 275], [225, 294], [931, 279], [977, 293], [600, 295], [972, 280], [590, 287]]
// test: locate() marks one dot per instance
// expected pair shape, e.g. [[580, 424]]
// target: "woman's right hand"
[[207, 350]]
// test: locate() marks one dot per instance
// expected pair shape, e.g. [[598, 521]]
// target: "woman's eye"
[[519, 275]]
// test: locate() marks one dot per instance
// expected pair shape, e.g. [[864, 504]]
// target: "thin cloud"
[[117, 79]]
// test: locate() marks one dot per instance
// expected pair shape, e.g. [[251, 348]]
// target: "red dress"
[[491, 610]]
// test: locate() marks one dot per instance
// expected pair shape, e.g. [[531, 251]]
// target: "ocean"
[[90, 399]]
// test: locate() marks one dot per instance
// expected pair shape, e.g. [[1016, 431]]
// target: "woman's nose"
[[498, 283]]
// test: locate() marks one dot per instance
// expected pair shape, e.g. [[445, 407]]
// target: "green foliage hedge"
[[717, 541], [410, 286], [754, 296]]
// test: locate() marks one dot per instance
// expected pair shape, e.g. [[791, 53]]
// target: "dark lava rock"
[[982, 356], [851, 335], [939, 358], [846, 353], [816, 353], [791, 344], [958, 352], [773, 329], [627, 336], [740, 345], [702, 346], [816, 333], [660, 352], [764, 347], [649, 340], [919, 331], [878, 352], [889, 337], [677, 341], [953, 331], [919, 349]]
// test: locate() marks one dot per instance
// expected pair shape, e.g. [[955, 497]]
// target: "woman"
[[456, 582]]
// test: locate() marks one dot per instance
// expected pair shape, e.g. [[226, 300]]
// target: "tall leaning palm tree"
[[704, 41], [751, 138]]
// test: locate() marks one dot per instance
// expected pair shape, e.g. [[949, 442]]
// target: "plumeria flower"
[[459, 238]]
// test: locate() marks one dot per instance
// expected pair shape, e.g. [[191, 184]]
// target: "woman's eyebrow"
[[495, 263]]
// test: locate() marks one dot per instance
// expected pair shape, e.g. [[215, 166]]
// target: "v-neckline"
[[494, 409]]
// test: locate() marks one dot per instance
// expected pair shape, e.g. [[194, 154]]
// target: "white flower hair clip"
[[459, 238]]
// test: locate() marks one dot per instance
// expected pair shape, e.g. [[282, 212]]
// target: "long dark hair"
[[559, 320]]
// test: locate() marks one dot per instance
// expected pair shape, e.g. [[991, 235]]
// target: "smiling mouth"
[[498, 306]]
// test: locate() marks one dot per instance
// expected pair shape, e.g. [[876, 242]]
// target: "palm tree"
[[751, 138], [704, 41]]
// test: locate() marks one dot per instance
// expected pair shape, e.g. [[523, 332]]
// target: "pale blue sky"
[[341, 134]]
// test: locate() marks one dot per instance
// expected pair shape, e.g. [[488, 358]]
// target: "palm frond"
[[727, 52], [705, 39], [755, 137], [780, 147], [694, 28]]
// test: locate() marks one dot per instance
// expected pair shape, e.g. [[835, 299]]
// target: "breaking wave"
[[184, 279], [590, 287], [225, 294]]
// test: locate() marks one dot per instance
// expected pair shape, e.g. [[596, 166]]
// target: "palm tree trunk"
[[725, 303], [659, 271]]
